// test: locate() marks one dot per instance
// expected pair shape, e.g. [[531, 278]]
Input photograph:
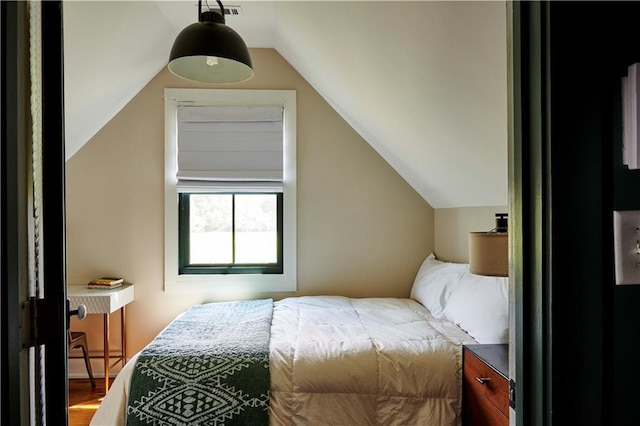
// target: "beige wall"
[[452, 227], [362, 230]]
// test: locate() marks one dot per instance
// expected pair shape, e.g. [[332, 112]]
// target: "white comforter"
[[340, 361]]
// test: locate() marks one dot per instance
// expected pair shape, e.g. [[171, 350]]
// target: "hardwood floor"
[[84, 401]]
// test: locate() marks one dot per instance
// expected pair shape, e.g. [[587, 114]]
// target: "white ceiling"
[[424, 82]]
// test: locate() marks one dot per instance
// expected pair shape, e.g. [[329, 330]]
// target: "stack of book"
[[105, 283]]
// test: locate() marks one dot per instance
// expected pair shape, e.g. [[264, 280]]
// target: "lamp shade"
[[488, 253], [210, 52]]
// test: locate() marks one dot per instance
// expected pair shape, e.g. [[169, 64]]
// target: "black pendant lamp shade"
[[210, 52]]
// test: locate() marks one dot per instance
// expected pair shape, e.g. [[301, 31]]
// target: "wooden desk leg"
[[106, 352], [123, 337]]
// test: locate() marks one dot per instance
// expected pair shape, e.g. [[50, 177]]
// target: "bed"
[[338, 360]]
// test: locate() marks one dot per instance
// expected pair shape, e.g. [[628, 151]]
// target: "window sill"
[[232, 283]]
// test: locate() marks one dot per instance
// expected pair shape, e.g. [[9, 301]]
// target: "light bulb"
[[212, 61]]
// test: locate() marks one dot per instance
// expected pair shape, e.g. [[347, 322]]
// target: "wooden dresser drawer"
[[486, 390], [481, 412]]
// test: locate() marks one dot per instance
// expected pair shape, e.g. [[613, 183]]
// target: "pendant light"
[[210, 52]]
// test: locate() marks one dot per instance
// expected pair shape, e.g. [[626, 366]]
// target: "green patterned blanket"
[[208, 367]]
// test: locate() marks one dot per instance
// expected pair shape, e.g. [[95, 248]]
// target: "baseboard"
[[77, 370]]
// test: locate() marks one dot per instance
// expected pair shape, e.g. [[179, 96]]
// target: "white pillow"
[[480, 306], [434, 283]]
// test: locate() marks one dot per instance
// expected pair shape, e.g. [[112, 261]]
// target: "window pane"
[[210, 228], [256, 228]]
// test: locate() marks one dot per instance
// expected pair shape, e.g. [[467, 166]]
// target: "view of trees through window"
[[212, 219]]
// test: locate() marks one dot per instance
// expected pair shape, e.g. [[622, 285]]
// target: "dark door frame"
[[530, 225], [53, 203], [14, 128], [575, 346], [16, 316]]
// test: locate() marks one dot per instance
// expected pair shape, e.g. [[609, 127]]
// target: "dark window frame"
[[186, 268]]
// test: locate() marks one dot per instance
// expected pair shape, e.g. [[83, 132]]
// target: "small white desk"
[[104, 302]]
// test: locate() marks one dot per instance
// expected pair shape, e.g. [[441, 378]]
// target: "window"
[[224, 233], [230, 190]]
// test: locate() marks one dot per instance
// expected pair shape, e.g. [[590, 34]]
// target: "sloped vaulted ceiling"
[[424, 82]]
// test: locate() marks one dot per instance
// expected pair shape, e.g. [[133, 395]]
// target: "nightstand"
[[485, 385]]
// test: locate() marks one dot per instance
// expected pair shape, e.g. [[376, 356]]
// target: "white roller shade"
[[223, 147]]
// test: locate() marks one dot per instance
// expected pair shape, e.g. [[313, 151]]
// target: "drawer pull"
[[483, 380]]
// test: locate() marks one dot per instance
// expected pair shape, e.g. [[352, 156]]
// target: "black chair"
[[78, 339]]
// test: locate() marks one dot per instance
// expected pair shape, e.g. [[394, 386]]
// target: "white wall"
[[452, 227]]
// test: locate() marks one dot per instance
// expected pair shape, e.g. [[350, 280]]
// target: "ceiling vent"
[[228, 10], [233, 10]]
